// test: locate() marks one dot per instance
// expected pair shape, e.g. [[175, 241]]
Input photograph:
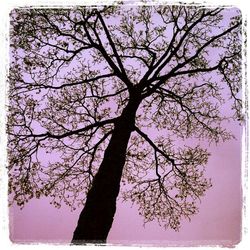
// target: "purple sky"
[[218, 221]]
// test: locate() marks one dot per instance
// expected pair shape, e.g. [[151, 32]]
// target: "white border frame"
[[5, 9]]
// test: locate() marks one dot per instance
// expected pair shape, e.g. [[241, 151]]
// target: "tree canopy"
[[74, 70]]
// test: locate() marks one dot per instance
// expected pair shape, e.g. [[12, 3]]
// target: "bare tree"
[[88, 85]]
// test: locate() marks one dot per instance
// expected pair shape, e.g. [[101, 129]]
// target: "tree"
[[88, 85]]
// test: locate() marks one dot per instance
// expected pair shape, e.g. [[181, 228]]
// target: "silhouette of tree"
[[109, 94]]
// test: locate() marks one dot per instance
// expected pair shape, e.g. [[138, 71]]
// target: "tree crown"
[[74, 70]]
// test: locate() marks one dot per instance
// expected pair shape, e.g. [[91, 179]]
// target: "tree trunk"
[[97, 216]]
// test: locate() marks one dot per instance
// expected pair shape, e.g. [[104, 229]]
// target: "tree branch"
[[170, 46], [173, 73], [111, 43], [70, 84], [72, 132], [100, 48], [151, 143]]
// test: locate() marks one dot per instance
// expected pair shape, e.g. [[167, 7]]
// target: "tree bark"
[[97, 215]]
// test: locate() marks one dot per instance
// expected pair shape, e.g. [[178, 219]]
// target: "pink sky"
[[218, 222]]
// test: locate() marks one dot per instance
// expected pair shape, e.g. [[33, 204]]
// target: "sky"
[[218, 221]]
